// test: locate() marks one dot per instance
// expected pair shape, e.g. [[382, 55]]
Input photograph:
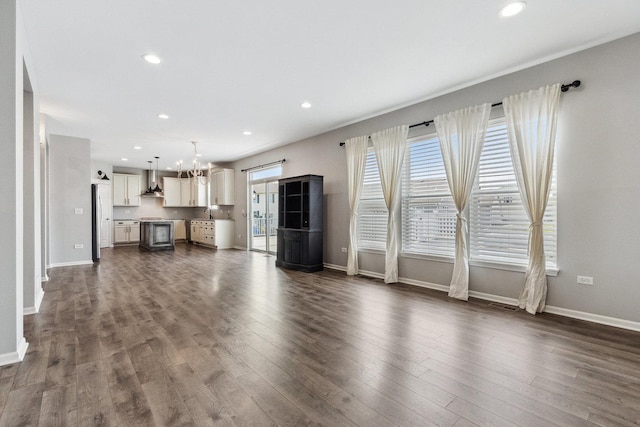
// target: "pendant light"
[[149, 179], [157, 189]]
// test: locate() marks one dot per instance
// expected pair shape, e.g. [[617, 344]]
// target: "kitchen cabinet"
[[185, 192], [171, 189], [215, 233], [126, 190], [179, 229], [126, 232], [300, 223], [222, 187]]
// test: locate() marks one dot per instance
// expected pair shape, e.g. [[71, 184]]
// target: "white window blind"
[[499, 227], [428, 211], [372, 211]]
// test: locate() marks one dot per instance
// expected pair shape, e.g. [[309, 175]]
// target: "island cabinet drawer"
[[209, 230]]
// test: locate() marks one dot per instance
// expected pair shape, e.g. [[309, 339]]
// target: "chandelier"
[[196, 169]]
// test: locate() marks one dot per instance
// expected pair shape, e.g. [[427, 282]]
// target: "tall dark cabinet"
[[300, 223]]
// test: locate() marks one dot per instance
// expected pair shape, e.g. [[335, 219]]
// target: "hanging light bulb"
[[196, 171]]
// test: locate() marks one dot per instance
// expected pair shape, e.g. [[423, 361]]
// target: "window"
[[372, 211], [428, 211], [499, 227]]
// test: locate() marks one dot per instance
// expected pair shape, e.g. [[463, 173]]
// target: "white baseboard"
[[33, 310], [15, 356], [335, 267], [590, 317], [241, 248], [44, 278], [595, 318], [71, 264]]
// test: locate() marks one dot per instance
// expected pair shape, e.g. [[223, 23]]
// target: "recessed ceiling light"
[[151, 58], [137, 147], [163, 116], [306, 105], [512, 9], [124, 159], [246, 132]]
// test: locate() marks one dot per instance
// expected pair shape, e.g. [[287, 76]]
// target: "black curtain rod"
[[264, 165], [563, 88]]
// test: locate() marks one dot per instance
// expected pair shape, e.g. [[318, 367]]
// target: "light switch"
[[78, 211]]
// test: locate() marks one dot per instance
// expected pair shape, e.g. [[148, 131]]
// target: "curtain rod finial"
[[575, 83]]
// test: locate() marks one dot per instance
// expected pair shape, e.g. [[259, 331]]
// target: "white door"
[[104, 214]]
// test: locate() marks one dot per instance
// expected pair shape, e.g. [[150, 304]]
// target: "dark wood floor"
[[205, 337]]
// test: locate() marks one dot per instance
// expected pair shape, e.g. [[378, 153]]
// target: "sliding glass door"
[[263, 193]]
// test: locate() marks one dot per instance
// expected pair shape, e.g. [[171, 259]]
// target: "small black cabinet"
[[300, 223]]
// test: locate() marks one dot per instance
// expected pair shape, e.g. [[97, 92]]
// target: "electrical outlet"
[[344, 250], [78, 246], [585, 280], [127, 211], [239, 236]]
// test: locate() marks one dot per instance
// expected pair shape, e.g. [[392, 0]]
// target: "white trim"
[[422, 284], [373, 274], [44, 278], [566, 312], [494, 298], [34, 310], [518, 268], [242, 248], [71, 264], [335, 267], [595, 318], [15, 356]]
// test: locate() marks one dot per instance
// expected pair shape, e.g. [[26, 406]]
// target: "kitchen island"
[[157, 235]]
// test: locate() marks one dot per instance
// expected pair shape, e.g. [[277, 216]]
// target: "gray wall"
[[70, 188], [31, 189], [11, 333], [598, 181]]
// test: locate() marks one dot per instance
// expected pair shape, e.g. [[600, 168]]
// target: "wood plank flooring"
[[203, 337]]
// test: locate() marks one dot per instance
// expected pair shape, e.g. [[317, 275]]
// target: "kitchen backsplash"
[[152, 207]]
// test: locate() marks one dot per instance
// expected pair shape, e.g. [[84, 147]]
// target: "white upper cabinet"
[[126, 190], [185, 192], [171, 188], [222, 187]]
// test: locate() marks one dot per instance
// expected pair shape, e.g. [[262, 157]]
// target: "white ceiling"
[[231, 66]]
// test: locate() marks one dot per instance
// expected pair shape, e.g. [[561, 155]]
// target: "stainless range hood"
[[153, 189]]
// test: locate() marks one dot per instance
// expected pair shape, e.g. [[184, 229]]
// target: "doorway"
[[263, 195]]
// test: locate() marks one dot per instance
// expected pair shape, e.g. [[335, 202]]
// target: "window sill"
[[552, 272], [435, 258]]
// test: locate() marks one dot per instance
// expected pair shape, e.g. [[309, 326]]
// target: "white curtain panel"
[[389, 146], [461, 134], [356, 149], [531, 122]]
